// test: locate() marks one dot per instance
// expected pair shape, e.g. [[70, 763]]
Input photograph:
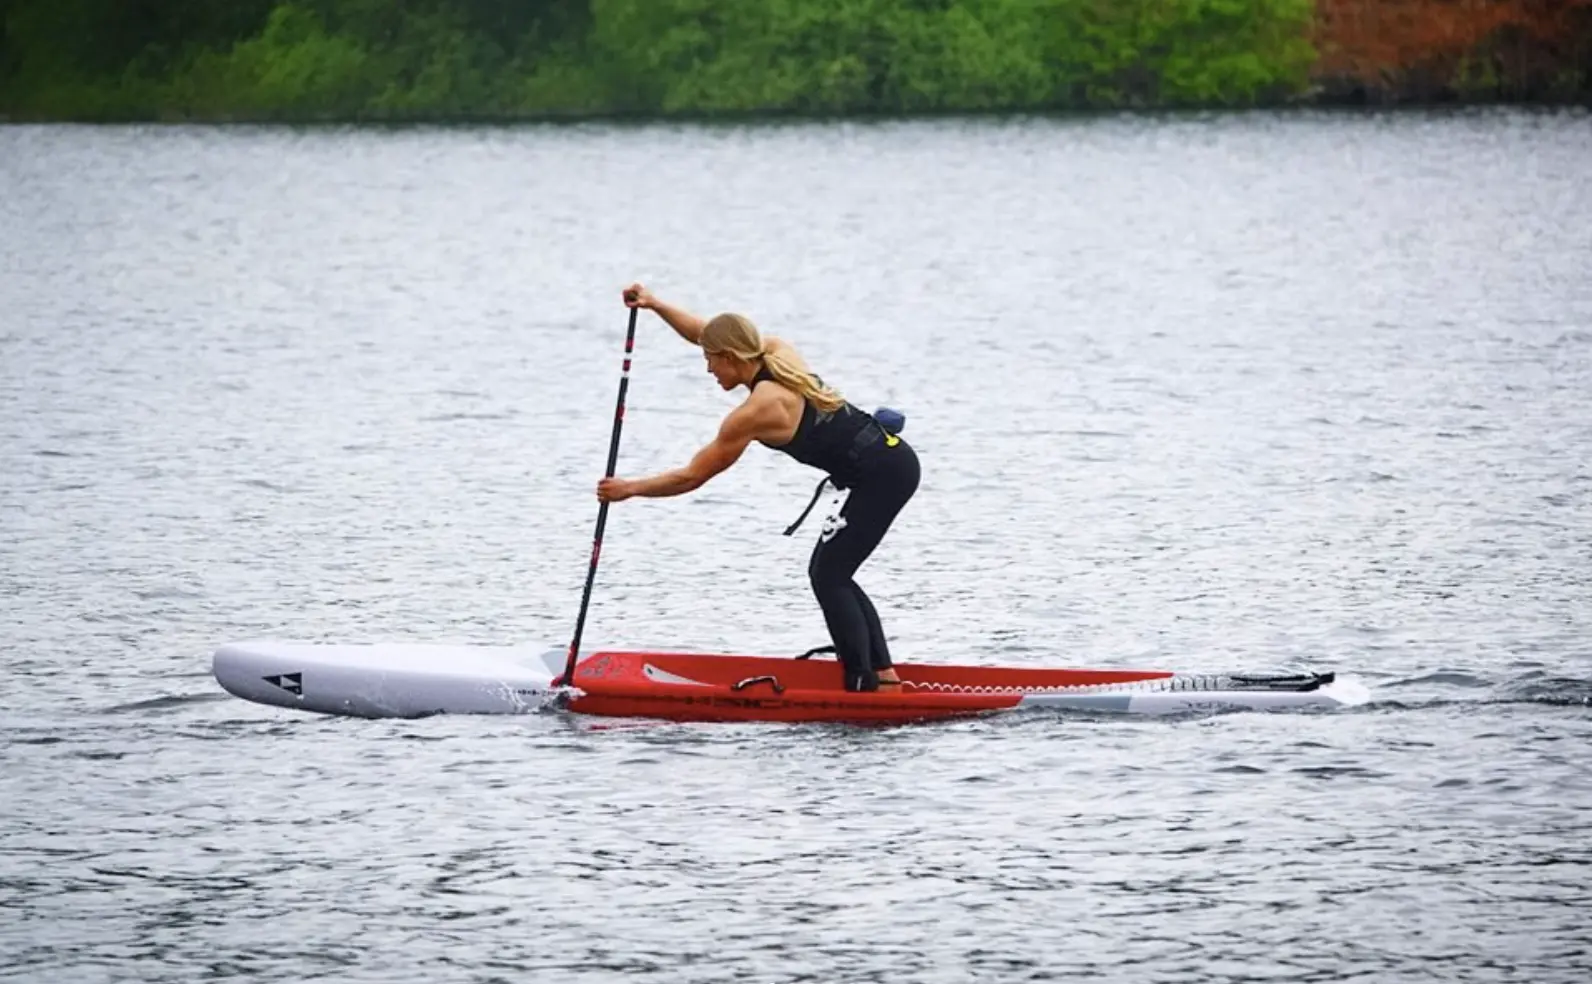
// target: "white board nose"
[[388, 679], [254, 672]]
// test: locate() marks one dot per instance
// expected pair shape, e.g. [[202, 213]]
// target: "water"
[[1237, 392]]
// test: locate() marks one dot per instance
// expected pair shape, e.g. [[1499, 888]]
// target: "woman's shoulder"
[[775, 344]]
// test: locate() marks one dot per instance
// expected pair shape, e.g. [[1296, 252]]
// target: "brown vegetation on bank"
[[1441, 50]]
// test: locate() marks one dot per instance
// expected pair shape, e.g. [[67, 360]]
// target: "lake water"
[[1198, 392]]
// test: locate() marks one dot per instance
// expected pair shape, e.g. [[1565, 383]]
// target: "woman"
[[790, 409]]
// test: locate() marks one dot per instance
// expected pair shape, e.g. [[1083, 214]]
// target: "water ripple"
[[1214, 393]]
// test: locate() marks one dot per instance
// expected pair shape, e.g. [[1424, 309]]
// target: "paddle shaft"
[[602, 510]]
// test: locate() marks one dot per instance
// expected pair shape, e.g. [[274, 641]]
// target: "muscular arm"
[[688, 325], [743, 425]]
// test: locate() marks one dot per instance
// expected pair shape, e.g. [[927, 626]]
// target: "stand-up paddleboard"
[[388, 679], [408, 680], [413, 680], [689, 687]]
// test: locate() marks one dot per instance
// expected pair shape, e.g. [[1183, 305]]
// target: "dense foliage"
[[409, 59]]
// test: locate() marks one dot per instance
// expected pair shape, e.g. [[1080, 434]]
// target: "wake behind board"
[[388, 679], [691, 687]]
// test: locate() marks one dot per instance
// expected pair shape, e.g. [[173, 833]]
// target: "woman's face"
[[726, 368]]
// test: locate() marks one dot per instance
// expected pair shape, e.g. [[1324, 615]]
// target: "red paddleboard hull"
[[697, 687]]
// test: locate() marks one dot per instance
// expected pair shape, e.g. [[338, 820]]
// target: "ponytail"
[[735, 335], [810, 387]]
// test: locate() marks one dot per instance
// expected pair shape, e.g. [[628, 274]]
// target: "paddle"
[[602, 510]]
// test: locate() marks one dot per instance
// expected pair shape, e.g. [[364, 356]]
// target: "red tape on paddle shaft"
[[602, 510]]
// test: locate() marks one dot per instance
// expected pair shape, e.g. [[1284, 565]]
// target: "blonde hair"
[[734, 334]]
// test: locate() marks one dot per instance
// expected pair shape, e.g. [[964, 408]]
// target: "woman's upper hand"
[[638, 296], [688, 325]]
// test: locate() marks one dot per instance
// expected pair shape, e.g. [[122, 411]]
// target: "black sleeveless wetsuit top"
[[842, 443]]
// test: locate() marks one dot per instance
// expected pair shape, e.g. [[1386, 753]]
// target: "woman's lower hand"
[[614, 490]]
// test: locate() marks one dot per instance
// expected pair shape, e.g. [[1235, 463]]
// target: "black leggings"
[[869, 510]]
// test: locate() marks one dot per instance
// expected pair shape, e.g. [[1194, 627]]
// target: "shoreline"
[[777, 117]]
